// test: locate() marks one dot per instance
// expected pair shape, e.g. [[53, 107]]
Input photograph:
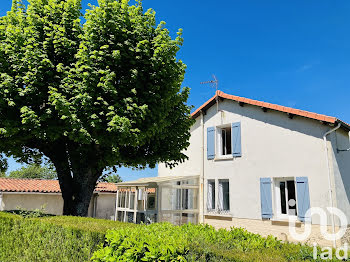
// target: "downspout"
[[202, 173], [329, 178]]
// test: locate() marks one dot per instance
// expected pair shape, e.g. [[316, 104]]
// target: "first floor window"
[[226, 141], [224, 195], [287, 197]]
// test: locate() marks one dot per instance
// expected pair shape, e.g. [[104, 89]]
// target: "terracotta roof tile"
[[43, 186], [310, 115]]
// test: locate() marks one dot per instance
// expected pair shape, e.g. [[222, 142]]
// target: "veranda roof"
[[153, 181]]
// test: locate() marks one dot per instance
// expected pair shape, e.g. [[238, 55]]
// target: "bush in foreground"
[[165, 242], [53, 239], [64, 238]]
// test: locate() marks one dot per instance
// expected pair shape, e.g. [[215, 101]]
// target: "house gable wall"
[[273, 145]]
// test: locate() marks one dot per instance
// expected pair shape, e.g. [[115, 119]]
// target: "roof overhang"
[[153, 181], [219, 95]]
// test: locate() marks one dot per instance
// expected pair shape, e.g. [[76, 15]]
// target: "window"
[[151, 201], [211, 195], [286, 197], [185, 196], [224, 195], [225, 141], [224, 147]]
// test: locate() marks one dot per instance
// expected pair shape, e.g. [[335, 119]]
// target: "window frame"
[[216, 210], [229, 202], [219, 145], [277, 198]]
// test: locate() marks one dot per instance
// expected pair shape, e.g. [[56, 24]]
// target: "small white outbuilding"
[[31, 194]]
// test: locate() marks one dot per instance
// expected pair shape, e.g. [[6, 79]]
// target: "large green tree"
[[90, 93]]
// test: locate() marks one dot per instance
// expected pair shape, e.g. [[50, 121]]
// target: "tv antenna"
[[214, 83]]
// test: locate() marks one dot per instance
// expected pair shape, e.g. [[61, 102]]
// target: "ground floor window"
[[211, 195], [224, 195], [222, 198], [286, 201]]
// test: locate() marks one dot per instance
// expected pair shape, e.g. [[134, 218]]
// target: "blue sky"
[[292, 53]]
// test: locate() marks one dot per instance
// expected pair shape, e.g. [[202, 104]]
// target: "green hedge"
[[51, 238], [61, 238]]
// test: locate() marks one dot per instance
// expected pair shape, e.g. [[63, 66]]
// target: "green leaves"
[[156, 242], [113, 81], [102, 93], [34, 171]]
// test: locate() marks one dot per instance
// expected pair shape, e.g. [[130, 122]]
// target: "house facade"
[[257, 165], [31, 194]]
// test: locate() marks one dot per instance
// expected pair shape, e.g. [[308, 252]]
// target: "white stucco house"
[[251, 164], [31, 194]]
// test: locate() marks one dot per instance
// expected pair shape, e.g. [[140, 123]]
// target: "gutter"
[[329, 178]]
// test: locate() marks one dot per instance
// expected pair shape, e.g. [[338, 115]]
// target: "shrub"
[[64, 238], [156, 242], [165, 242], [51, 238]]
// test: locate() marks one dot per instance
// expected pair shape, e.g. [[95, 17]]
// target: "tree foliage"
[[3, 165], [112, 178], [34, 171], [92, 95]]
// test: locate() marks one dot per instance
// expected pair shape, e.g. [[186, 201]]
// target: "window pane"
[[184, 198], [283, 197], [292, 207], [228, 141], [178, 199], [132, 200], [151, 203], [122, 199], [224, 195], [211, 195], [223, 142]]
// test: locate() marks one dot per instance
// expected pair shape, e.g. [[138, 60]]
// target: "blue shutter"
[[266, 197], [303, 197], [236, 139], [210, 142]]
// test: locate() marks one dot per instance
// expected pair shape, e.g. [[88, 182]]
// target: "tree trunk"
[[77, 201], [77, 174]]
